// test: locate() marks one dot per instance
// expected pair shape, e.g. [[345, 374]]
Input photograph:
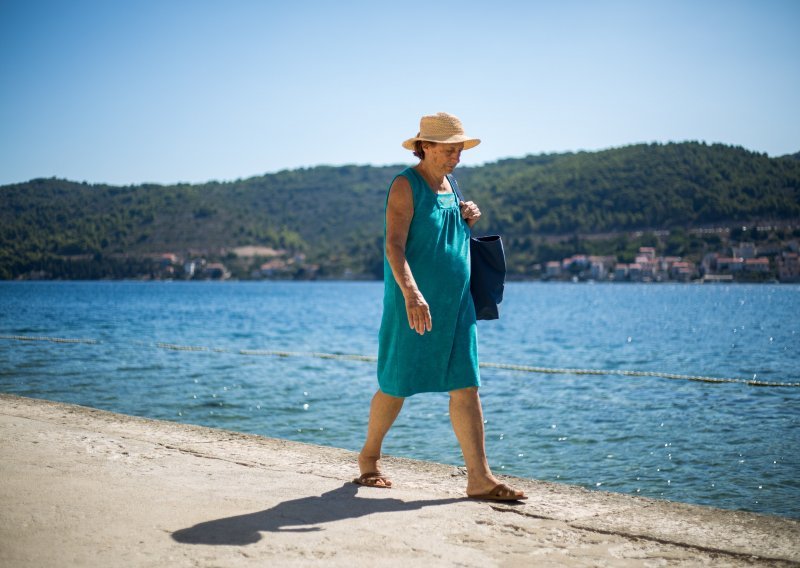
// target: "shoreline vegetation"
[[678, 212]]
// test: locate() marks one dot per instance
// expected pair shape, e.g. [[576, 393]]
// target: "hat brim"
[[457, 139]]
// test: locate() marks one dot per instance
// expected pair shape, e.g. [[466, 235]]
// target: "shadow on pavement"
[[297, 515]]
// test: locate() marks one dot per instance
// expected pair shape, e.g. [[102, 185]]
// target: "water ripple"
[[728, 445]]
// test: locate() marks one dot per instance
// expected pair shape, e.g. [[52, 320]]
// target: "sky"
[[167, 91]]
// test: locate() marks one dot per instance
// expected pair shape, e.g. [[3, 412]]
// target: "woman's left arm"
[[470, 212]]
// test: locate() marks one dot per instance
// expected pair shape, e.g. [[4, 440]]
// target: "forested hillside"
[[331, 217]]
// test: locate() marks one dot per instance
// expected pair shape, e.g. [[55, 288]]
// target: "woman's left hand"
[[470, 212]]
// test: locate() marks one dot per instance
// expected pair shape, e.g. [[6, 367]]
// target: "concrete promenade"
[[83, 487]]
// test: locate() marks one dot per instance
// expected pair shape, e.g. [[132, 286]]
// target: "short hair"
[[419, 152]]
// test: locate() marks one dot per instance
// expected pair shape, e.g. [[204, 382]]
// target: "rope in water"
[[371, 359]]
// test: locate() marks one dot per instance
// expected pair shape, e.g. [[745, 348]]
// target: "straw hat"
[[443, 128]]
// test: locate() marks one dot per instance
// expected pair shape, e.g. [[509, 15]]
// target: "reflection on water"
[[727, 445]]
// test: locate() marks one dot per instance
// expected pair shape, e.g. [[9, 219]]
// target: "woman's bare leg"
[[466, 416], [383, 411]]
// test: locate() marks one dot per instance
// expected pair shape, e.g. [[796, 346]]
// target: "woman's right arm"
[[399, 212]]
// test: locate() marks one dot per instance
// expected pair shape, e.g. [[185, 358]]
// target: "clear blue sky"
[[132, 91]]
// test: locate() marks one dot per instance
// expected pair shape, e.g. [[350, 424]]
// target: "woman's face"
[[443, 156]]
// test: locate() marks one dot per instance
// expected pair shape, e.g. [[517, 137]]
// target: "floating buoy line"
[[372, 359]]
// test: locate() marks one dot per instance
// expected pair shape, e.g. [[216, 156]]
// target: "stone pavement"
[[83, 487]]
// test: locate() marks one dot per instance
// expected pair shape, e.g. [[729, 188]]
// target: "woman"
[[428, 336]]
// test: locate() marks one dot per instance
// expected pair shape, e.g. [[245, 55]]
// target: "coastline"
[[88, 487]]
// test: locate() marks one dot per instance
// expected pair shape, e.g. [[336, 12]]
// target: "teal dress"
[[437, 250]]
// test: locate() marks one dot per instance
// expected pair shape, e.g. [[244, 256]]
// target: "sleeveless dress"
[[437, 250]]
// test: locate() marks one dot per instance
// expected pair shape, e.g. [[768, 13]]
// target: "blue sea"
[[245, 356]]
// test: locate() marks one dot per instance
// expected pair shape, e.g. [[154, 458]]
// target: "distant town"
[[746, 262], [246, 263]]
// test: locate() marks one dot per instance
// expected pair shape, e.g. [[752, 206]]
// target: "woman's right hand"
[[419, 313], [399, 212]]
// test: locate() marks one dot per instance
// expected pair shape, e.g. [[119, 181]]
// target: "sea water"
[[245, 356]]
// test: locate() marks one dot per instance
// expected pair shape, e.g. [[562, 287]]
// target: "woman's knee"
[[465, 393], [383, 400]]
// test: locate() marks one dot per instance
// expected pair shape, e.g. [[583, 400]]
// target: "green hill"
[[543, 205]]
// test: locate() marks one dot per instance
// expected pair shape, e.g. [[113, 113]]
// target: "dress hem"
[[410, 394]]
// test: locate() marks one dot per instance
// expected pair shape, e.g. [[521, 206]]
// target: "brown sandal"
[[373, 479], [500, 492]]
